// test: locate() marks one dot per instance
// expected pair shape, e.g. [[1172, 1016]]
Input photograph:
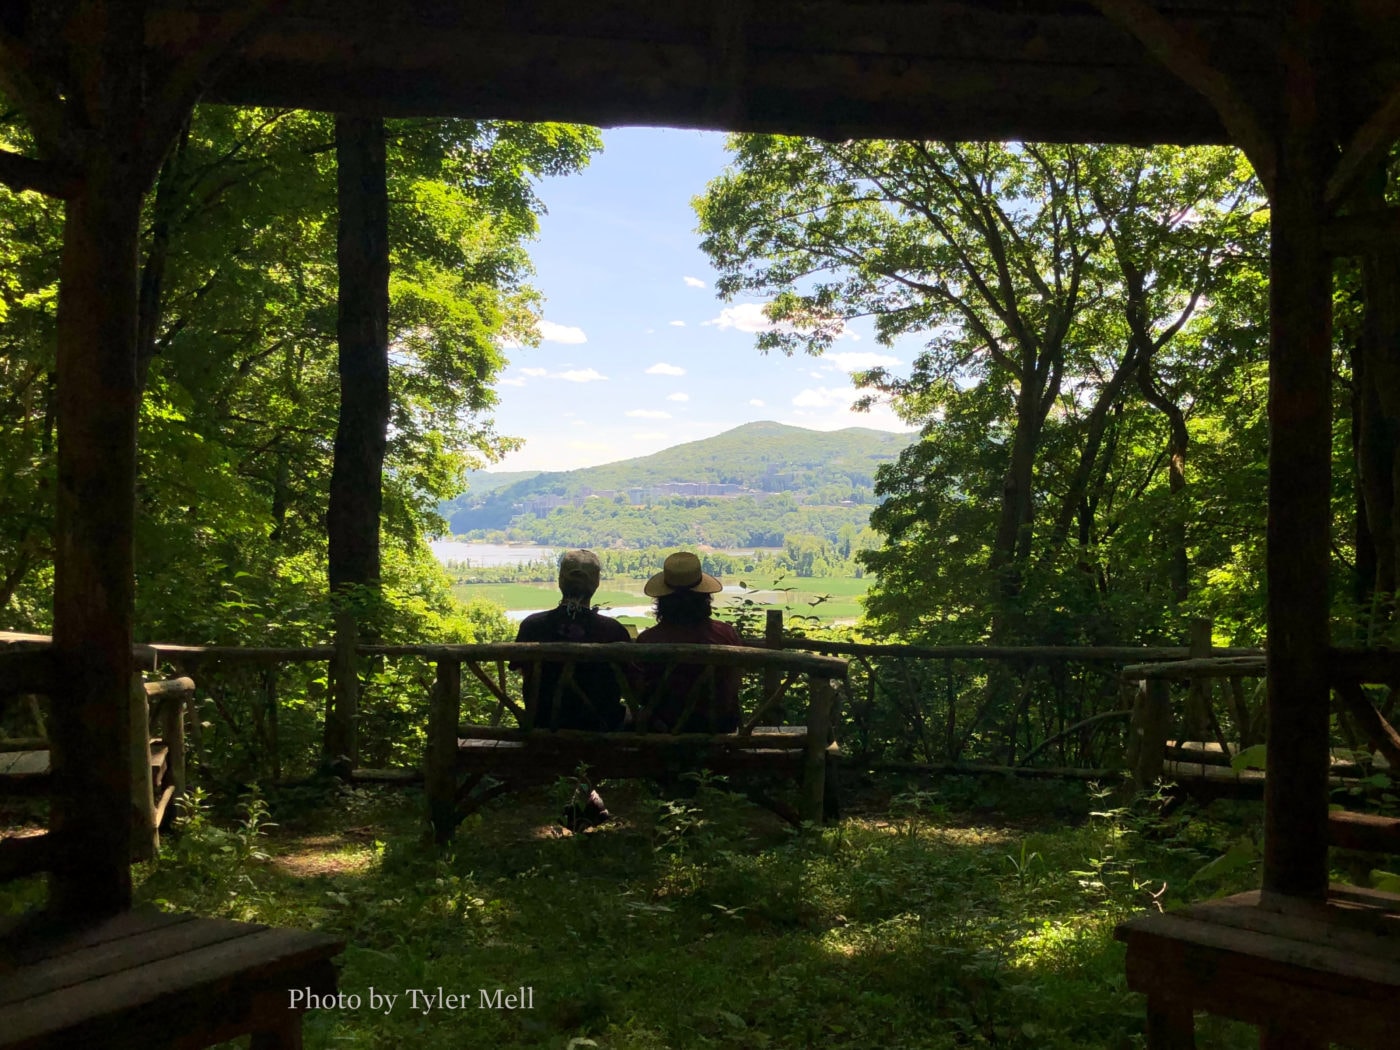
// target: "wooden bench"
[[461, 757], [140, 978], [146, 979], [1305, 972]]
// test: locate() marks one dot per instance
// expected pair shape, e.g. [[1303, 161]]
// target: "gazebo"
[[1309, 89]]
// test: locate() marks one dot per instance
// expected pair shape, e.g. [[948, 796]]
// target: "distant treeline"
[[800, 556]]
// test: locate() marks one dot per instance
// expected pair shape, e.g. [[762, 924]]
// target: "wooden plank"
[[195, 979], [24, 743], [29, 939], [1201, 667], [141, 947], [742, 656], [1375, 973], [1363, 831], [18, 763]]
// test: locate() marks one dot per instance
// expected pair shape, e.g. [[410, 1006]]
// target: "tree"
[[1048, 281]]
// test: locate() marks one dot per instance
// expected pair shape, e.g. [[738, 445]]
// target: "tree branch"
[[47, 177]]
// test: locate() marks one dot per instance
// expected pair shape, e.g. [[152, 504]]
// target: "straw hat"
[[579, 571], [681, 572]]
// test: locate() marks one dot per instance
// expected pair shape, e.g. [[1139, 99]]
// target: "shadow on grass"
[[704, 923]]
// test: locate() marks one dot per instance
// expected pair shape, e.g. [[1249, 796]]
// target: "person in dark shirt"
[[593, 700], [685, 613]]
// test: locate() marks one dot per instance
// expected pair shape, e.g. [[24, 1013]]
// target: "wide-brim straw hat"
[[681, 572]]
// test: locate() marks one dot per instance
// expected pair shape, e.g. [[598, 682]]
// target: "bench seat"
[[1305, 972], [154, 979]]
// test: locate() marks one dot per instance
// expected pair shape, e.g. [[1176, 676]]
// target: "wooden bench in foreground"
[[136, 978], [146, 979], [1307, 973], [461, 757]]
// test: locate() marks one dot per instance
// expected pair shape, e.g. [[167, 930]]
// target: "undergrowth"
[[950, 916]]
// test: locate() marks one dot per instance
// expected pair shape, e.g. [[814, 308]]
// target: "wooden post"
[[172, 731], [440, 770], [145, 839], [1198, 691], [342, 712], [1300, 477], [772, 676], [819, 712], [95, 501], [1147, 732]]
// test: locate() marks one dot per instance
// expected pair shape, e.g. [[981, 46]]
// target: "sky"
[[637, 352]]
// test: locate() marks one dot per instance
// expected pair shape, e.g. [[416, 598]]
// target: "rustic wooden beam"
[[821, 704], [1380, 734], [1366, 148], [1300, 474], [1360, 233], [24, 671], [31, 855], [745, 657], [1368, 832], [440, 763], [1205, 667], [1187, 59]]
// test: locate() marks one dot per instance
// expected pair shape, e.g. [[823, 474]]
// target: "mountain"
[[815, 467]]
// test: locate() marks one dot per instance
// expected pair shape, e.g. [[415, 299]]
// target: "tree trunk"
[[1178, 438], [352, 521]]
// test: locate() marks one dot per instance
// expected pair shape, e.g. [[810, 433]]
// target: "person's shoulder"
[[726, 632], [535, 624], [609, 630]]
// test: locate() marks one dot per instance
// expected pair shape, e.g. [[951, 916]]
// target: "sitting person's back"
[[592, 698], [685, 614]]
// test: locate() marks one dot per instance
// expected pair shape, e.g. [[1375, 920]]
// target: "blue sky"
[[638, 353]]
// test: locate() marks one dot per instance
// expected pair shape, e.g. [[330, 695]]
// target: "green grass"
[[979, 914], [827, 597]]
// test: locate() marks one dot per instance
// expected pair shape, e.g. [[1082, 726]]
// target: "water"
[[481, 555]]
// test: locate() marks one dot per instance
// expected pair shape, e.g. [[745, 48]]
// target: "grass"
[[977, 914], [829, 598]]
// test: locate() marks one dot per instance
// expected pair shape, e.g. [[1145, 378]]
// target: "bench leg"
[[282, 1034], [1171, 1024], [1278, 1036]]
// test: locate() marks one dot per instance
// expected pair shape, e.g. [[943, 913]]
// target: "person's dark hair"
[[683, 608]]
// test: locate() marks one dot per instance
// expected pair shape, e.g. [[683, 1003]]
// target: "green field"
[[831, 598]]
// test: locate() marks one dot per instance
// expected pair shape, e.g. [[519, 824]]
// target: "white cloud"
[[560, 333], [755, 402], [749, 317], [822, 397], [677, 324], [816, 375], [536, 372], [648, 413], [694, 282], [746, 317], [677, 397], [855, 360], [650, 435], [511, 382], [579, 375], [661, 368]]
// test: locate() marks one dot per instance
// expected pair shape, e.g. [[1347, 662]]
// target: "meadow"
[[831, 599], [939, 915]]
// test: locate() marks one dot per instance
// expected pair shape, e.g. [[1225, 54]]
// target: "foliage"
[[916, 932], [1084, 312]]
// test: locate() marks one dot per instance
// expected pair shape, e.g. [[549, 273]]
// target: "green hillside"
[[756, 460]]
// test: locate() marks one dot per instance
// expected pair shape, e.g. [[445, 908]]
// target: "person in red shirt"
[[685, 613]]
